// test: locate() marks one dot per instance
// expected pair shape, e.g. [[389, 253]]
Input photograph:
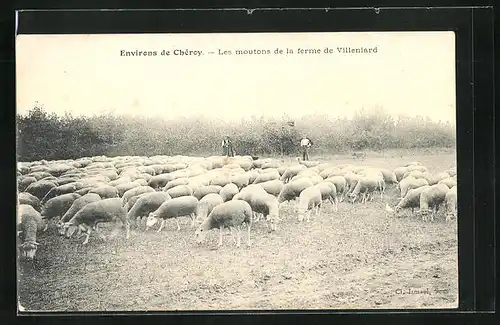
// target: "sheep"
[[411, 199], [329, 192], [267, 205], [340, 185], [434, 179], [409, 183], [206, 205], [450, 182], [451, 203], [241, 180], [136, 191], [414, 173], [400, 172], [40, 188], [62, 189], [431, 199], [272, 187], [309, 199], [173, 208], [30, 199], [180, 190], [105, 192], [160, 180], [24, 182], [308, 163], [267, 176], [176, 182], [351, 180], [292, 190], [228, 192], [145, 204], [122, 188], [452, 171], [389, 176], [204, 190], [77, 204], [231, 214], [30, 223], [366, 186], [291, 172], [315, 179], [88, 218], [58, 206]]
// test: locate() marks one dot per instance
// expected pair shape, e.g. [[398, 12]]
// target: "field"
[[359, 257]]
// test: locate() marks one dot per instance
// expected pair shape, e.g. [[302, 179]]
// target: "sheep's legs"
[[238, 234], [177, 222], [231, 229], [192, 219], [220, 237], [127, 229], [161, 225], [249, 241], [308, 214], [88, 235]]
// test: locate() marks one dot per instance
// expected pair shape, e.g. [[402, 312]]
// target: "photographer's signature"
[[419, 291]]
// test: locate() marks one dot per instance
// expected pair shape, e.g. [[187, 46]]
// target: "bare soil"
[[359, 257]]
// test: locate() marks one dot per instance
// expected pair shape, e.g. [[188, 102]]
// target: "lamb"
[[411, 199], [231, 214], [291, 172], [292, 190], [267, 205], [365, 186], [136, 191], [309, 199], [106, 192], [409, 183], [30, 223], [180, 190], [204, 190], [272, 187], [58, 206], [30, 199], [267, 176], [88, 218], [77, 204], [206, 205], [228, 192], [340, 185], [329, 192], [174, 208], [431, 199], [451, 203], [145, 204]]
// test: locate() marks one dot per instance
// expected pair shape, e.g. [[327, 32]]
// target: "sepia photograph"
[[236, 171]]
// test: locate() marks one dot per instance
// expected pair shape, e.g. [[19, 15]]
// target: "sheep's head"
[[28, 249], [352, 197], [69, 229], [151, 220], [60, 228]]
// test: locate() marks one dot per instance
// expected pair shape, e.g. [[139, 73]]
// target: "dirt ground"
[[358, 257]]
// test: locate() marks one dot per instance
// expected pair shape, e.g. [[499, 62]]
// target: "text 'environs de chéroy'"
[[276, 51]]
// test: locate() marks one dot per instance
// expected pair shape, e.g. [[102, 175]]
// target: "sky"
[[412, 73]]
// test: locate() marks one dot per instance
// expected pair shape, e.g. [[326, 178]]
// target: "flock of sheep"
[[215, 192]]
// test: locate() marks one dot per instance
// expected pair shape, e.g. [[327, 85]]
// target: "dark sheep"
[[77, 204]]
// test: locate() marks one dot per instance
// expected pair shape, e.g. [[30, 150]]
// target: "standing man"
[[227, 146], [305, 144]]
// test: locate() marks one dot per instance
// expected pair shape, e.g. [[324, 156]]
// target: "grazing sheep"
[[291, 172], [232, 215], [77, 204], [400, 172], [415, 174], [451, 203], [431, 199], [340, 185], [40, 188], [329, 192], [136, 191], [58, 206], [411, 182], [411, 199], [30, 223], [365, 186], [389, 176], [180, 190], [241, 180], [267, 176], [173, 208], [434, 179], [228, 192], [204, 190], [450, 182], [351, 180], [206, 205], [30, 199], [267, 205], [62, 189], [145, 204], [159, 181], [309, 199], [105, 192], [292, 190], [122, 188], [24, 182], [88, 218], [176, 182], [272, 187]]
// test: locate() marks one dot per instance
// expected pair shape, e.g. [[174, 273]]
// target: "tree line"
[[43, 135]]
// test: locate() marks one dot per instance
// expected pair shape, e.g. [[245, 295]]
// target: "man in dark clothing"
[[227, 146]]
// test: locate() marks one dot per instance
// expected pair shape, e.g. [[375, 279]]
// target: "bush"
[[41, 135]]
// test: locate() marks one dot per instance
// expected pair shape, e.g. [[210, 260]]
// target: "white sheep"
[[431, 199], [329, 192], [309, 199], [232, 215], [451, 203], [173, 208], [228, 192], [206, 205]]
